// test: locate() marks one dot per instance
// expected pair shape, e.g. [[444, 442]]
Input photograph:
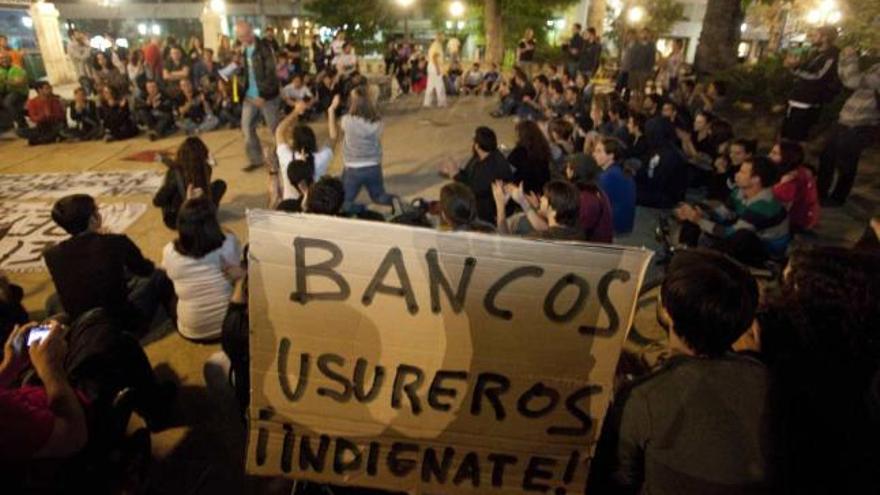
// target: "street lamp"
[[824, 13], [456, 9], [635, 15], [405, 5]]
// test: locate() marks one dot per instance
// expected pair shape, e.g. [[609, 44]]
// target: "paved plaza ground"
[[205, 453]]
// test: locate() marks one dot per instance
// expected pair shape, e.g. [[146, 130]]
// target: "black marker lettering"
[[550, 301], [324, 362], [501, 385], [438, 280], [537, 391], [501, 283], [437, 389], [431, 466], [324, 269], [401, 385], [394, 258], [605, 303]]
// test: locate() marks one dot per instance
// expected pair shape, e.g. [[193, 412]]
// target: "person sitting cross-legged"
[[188, 176], [203, 263], [195, 115], [47, 112], [751, 227], [94, 269], [554, 215], [458, 210], [84, 115], [703, 422], [155, 111]]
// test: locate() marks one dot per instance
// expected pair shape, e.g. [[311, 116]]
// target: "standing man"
[[575, 47], [261, 95], [80, 54], [435, 73], [591, 54], [525, 52], [641, 63], [815, 84], [857, 123]]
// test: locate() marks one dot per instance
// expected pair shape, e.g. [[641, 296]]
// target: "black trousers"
[[744, 245], [45, 133], [798, 122], [159, 122], [841, 158]]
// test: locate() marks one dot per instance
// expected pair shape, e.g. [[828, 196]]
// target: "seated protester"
[[346, 63], [226, 106], [674, 431], [14, 91], [296, 92], [12, 313], [176, 69], [83, 113], [327, 89], [458, 210], [188, 176], [819, 333], [616, 184], [116, 116], [283, 70], [531, 157], [515, 93], [796, 188], [235, 335], [555, 103], [485, 167], [573, 108], [49, 421], [203, 263], [47, 112], [698, 144], [751, 227], [205, 71], [472, 80], [727, 165], [194, 112], [534, 108], [662, 180], [298, 147], [155, 111], [105, 74], [585, 87], [557, 214], [652, 106], [595, 209], [325, 197], [636, 143], [618, 118], [679, 119], [452, 78], [96, 270], [490, 80], [561, 146], [714, 99]]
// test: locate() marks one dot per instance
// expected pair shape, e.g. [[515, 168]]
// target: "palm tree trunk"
[[719, 37], [494, 33]]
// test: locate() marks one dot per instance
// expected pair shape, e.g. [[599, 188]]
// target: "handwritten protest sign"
[[54, 186], [407, 359], [31, 230]]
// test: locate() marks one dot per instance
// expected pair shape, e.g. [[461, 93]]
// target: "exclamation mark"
[[573, 461]]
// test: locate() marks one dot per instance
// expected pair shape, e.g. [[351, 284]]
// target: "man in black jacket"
[[261, 95], [97, 270], [484, 168], [815, 84]]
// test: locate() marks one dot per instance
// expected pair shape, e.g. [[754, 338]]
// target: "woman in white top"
[[361, 148], [203, 263], [298, 147]]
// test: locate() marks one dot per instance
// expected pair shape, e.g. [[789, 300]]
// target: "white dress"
[[203, 289]]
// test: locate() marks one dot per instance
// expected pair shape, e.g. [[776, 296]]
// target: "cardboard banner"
[[413, 360], [26, 229], [54, 186]]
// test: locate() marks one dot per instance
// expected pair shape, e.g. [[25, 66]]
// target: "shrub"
[[762, 84]]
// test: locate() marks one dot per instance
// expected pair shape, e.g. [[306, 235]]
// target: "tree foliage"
[[371, 15], [861, 24]]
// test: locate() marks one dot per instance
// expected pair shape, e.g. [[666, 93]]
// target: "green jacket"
[[14, 79]]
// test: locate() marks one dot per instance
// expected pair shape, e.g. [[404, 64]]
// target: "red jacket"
[[797, 191], [46, 110]]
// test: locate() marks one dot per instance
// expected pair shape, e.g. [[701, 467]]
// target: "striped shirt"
[[761, 213], [861, 108]]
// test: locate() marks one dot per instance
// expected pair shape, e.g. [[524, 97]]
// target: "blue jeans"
[[371, 178], [250, 114]]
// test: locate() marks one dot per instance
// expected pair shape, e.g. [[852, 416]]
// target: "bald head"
[[244, 32]]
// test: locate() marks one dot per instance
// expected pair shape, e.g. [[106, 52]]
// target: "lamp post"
[[405, 5]]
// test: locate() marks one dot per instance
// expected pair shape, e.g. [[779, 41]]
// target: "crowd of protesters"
[[764, 391]]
